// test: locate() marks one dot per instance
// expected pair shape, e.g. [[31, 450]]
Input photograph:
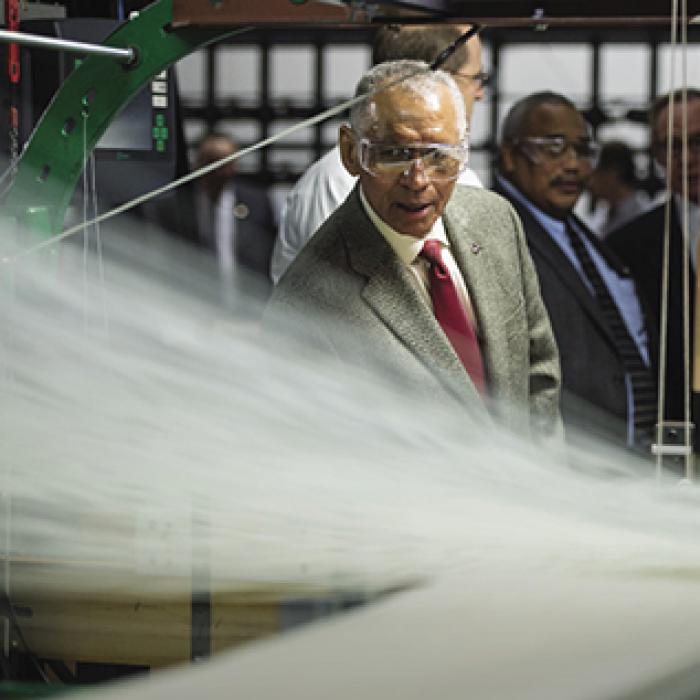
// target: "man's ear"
[[507, 159], [658, 151], [348, 150]]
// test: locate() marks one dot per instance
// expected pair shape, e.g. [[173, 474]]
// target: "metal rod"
[[44, 42]]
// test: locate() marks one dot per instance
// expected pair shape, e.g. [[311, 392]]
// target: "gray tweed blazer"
[[349, 295]]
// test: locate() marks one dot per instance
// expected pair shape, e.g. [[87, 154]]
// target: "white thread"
[[141, 199], [663, 321]]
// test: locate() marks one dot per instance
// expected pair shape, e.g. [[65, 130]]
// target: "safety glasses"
[[439, 161], [539, 148]]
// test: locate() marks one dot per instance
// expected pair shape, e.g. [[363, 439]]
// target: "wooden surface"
[[233, 12], [491, 12], [89, 613]]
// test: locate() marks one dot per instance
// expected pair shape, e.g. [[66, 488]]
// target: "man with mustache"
[[546, 157], [639, 244], [424, 280]]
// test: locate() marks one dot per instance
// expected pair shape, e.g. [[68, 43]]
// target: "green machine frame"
[[80, 112]]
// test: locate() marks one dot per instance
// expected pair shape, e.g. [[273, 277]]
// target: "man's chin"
[[694, 190], [416, 231], [563, 206], [416, 228]]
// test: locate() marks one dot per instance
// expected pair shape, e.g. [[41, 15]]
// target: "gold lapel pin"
[[241, 211]]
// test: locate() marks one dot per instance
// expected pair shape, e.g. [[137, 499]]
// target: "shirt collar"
[[693, 208], [406, 247], [693, 223], [548, 222]]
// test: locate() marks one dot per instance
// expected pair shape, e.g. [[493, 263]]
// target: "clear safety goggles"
[[438, 161], [538, 148]]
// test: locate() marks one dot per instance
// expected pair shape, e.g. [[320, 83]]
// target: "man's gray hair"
[[518, 117], [414, 76]]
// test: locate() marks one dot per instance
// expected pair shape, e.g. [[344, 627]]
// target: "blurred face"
[[409, 201], [602, 182], [213, 149], [661, 142], [551, 182], [467, 76]]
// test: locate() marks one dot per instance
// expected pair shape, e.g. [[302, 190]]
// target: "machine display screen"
[[132, 128]]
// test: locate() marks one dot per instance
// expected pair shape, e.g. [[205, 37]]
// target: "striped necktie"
[[643, 387], [451, 316]]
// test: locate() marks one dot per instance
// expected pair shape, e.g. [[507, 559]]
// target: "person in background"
[[327, 183], [640, 243], [420, 278], [234, 216], [225, 214], [546, 158], [615, 188]]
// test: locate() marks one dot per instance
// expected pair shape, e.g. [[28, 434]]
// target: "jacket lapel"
[[391, 291], [542, 242], [492, 304]]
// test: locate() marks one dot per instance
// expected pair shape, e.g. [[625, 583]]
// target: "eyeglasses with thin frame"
[[483, 78], [539, 148], [439, 161]]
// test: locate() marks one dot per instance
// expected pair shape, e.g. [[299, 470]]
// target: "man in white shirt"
[[327, 183]]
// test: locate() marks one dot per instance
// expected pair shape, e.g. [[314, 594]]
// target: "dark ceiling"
[[101, 8], [521, 9]]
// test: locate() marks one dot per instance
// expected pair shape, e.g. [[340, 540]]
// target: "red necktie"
[[451, 316]]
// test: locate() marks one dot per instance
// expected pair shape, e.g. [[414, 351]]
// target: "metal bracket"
[[674, 452]]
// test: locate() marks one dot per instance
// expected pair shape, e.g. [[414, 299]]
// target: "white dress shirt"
[[217, 224], [408, 249]]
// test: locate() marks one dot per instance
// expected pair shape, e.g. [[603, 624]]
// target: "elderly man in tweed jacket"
[[363, 290]]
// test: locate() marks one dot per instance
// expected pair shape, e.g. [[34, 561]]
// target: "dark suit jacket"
[[255, 229], [355, 300], [594, 395], [639, 244]]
